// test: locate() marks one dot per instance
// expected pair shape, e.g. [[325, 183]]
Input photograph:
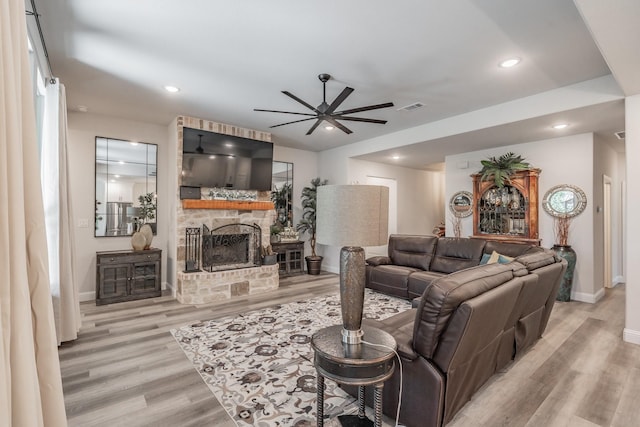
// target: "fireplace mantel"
[[227, 204]]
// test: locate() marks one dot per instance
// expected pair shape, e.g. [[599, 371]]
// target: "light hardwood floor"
[[125, 369]]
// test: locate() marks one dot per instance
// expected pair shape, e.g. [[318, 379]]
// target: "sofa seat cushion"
[[389, 279], [419, 281], [454, 254], [400, 326], [412, 251]]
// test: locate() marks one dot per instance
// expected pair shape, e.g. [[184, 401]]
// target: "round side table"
[[353, 364]]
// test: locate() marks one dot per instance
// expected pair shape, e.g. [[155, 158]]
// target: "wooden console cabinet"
[[510, 213], [127, 275], [290, 257]]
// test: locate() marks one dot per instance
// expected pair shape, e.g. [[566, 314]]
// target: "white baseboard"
[[618, 280], [87, 296], [631, 336], [588, 298]]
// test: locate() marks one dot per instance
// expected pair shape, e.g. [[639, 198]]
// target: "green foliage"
[[501, 169], [308, 222], [281, 199], [147, 207]]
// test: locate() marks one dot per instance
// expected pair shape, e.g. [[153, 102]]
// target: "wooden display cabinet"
[[290, 257], [510, 213], [127, 275]]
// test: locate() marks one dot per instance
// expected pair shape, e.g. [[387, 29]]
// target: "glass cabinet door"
[[502, 211]]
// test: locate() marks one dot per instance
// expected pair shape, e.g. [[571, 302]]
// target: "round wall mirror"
[[564, 201], [461, 204]]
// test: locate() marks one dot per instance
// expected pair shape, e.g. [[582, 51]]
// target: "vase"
[[138, 241], [566, 252], [147, 232]]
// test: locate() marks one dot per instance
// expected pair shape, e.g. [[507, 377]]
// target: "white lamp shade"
[[352, 215]]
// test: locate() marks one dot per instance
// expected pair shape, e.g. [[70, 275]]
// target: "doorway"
[[606, 193]]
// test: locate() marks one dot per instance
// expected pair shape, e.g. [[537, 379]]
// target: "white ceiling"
[[230, 57]]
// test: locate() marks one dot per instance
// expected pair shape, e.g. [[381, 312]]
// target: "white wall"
[[567, 160], [632, 253], [305, 168], [83, 129]]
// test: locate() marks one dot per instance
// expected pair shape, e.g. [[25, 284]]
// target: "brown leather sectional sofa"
[[469, 321]]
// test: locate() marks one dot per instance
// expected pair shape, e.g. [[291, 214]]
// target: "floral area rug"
[[259, 365]]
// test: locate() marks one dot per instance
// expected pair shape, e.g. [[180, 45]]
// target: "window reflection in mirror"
[[126, 194], [282, 188]]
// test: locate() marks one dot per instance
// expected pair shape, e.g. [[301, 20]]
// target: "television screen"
[[211, 159]]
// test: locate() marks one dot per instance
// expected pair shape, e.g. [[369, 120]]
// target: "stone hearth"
[[204, 288]]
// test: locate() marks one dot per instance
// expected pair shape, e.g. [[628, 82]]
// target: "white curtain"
[[30, 383], [57, 207]]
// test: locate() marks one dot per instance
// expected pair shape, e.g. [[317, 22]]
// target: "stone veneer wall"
[[198, 288]]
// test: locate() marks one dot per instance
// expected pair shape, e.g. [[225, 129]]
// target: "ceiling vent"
[[619, 135], [411, 107]]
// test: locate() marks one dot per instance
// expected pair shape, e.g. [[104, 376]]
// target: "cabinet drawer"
[[106, 259]]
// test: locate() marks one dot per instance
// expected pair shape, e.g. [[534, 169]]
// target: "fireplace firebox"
[[229, 247]]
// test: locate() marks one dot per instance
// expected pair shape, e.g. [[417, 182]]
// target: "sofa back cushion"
[[412, 251], [445, 295], [510, 249], [454, 254]]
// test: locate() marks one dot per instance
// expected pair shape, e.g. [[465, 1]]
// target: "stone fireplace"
[[222, 278]]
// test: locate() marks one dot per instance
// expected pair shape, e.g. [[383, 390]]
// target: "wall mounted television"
[[211, 159]]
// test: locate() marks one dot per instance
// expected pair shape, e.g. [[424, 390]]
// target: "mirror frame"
[[579, 196], [124, 158], [288, 180], [461, 210]]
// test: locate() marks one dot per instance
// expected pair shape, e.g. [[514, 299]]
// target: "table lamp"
[[352, 216]]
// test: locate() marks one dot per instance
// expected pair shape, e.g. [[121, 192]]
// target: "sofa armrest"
[[375, 261]]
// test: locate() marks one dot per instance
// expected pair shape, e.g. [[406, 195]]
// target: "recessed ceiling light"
[[329, 127], [212, 157], [121, 162], [511, 62], [117, 176], [228, 144], [560, 126], [172, 89], [133, 143], [82, 108], [396, 157]]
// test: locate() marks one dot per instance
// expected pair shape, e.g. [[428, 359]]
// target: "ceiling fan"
[[198, 149], [328, 113]]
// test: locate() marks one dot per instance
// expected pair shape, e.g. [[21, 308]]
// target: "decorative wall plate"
[[461, 204]]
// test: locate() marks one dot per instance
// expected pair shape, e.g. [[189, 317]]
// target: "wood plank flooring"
[[125, 369]]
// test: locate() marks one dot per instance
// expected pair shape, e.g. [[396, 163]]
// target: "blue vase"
[[566, 252]]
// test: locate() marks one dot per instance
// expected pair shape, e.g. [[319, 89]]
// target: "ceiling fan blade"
[[340, 126], [360, 119], [284, 112], [315, 125], [339, 99], [290, 95], [367, 108], [295, 121]]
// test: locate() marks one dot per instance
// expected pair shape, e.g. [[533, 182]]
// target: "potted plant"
[[500, 170], [281, 198], [147, 209], [308, 223]]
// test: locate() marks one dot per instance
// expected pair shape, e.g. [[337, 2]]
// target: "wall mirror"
[[125, 186], [564, 201], [282, 189], [461, 204]]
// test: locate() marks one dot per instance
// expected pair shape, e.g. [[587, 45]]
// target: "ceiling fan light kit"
[[327, 112]]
